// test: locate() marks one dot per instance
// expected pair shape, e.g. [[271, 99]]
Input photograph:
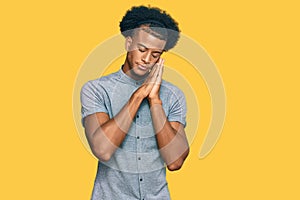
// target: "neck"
[[129, 72]]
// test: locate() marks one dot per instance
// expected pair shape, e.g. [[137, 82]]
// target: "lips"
[[142, 67]]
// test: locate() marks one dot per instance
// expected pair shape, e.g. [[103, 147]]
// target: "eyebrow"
[[156, 51]]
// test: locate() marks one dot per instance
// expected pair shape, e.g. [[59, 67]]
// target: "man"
[[134, 121]]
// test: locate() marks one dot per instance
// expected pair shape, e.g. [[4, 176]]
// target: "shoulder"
[[168, 88], [101, 82]]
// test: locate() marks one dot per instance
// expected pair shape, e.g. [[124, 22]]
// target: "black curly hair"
[[162, 25]]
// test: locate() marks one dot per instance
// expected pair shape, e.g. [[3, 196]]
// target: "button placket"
[[139, 148], [142, 193], [138, 143], [137, 133]]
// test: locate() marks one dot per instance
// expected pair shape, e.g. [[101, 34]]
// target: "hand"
[[151, 86], [154, 93]]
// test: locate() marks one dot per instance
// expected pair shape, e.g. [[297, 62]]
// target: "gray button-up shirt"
[[136, 169]]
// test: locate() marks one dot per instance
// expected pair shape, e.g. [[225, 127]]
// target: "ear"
[[128, 42]]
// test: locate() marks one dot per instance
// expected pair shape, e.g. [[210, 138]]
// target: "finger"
[[160, 72], [155, 73], [152, 77], [158, 64], [151, 74], [155, 65]]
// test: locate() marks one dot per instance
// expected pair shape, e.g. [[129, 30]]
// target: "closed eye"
[[156, 55], [142, 50]]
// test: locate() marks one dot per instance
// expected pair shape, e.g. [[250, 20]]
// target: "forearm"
[[171, 141], [107, 137]]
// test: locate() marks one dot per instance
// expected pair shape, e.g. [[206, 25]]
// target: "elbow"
[[175, 165], [102, 150], [104, 157], [102, 154]]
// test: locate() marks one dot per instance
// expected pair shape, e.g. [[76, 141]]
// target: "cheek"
[[132, 56], [154, 60], [137, 56]]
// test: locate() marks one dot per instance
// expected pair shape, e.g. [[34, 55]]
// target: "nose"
[[146, 58]]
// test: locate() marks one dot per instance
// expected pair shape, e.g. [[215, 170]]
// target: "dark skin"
[[106, 134]]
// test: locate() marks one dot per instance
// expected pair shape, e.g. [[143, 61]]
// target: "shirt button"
[[138, 137], [139, 158], [141, 179], [137, 116]]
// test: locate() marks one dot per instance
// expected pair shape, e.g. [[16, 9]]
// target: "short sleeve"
[[177, 109], [92, 97]]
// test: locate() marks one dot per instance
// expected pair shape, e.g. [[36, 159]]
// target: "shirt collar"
[[127, 79]]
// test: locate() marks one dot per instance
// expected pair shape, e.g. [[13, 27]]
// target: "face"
[[143, 51]]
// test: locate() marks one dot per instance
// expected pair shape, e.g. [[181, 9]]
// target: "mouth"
[[143, 68]]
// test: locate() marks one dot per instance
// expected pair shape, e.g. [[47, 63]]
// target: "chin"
[[139, 72]]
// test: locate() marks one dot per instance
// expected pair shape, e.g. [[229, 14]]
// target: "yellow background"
[[255, 45]]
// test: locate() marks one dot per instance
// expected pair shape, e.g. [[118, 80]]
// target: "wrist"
[[140, 93], [138, 96], [153, 101]]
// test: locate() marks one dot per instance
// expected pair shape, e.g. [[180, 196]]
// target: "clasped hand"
[[151, 86]]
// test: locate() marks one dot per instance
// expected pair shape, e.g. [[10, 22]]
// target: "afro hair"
[[156, 19]]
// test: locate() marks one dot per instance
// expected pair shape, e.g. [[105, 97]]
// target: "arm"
[[170, 136], [105, 135]]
